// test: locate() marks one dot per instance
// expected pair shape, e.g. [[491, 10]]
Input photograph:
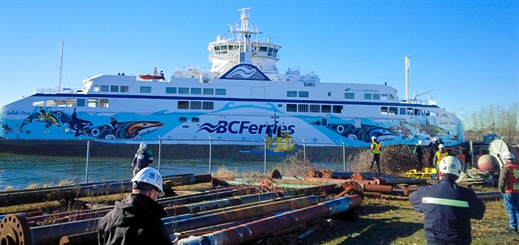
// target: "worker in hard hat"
[[375, 152], [440, 154], [137, 218], [509, 185], [142, 159], [433, 148], [447, 207], [418, 152]]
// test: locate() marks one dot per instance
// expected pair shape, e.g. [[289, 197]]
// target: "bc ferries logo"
[[242, 127], [245, 72]]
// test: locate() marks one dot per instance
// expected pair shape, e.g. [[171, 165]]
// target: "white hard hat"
[[441, 146], [150, 176], [142, 145], [420, 142], [434, 139], [373, 137], [450, 165], [507, 155]]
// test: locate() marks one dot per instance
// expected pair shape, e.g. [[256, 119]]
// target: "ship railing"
[[57, 91], [189, 68], [421, 102], [297, 71]]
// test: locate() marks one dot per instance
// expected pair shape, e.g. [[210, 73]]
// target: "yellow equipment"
[[425, 174]]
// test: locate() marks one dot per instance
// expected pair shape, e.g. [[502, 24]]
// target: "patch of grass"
[[396, 222]]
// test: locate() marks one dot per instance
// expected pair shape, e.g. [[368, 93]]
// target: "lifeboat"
[[151, 77]]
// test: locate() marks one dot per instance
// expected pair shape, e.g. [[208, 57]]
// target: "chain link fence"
[[42, 163]]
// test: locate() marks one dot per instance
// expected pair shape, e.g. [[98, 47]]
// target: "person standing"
[[418, 152], [509, 185], [433, 148], [142, 159], [137, 218], [440, 154], [447, 207], [375, 151]]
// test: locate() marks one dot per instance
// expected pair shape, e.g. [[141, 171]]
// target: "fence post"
[[87, 160], [210, 152], [160, 154], [264, 157], [343, 157], [304, 156]]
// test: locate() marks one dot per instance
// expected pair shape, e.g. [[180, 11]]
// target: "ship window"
[[409, 111], [171, 90], [367, 96], [208, 105], [183, 90], [27, 131], [114, 88], [270, 51], [145, 89], [220, 91], [208, 91], [183, 105], [263, 49], [196, 105], [417, 112], [104, 88], [302, 108], [376, 96], [393, 110], [92, 102], [291, 107], [402, 111], [315, 108], [38, 103], [224, 49], [50, 103], [96, 88], [81, 102], [326, 108], [391, 97], [195, 119], [217, 49], [275, 53], [103, 103], [427, 113], [62, 102], [196, 91], [303, 94], [182, 119], [71, 102], [383, 96], [329, 94], [383, 110], [349, 95], [337, 109], [125, 89], [291, 93]]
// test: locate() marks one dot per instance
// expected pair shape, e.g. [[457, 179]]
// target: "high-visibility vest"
[[375, 148], [440, 156]]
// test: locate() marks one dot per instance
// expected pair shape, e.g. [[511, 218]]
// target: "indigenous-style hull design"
[[243, 98]]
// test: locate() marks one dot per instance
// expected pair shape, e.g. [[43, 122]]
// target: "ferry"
[[242, 98]]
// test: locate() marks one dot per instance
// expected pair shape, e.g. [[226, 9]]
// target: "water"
[[19, 172]]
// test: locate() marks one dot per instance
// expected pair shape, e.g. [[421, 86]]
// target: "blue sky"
[[467, 51]]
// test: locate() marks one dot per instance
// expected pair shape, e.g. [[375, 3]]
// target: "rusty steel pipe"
[[173, 226], [386, 189], [264, 227]]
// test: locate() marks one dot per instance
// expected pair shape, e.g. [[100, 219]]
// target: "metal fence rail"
[[43, 163]]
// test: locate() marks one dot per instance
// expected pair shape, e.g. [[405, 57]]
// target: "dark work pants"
[[376, 158]]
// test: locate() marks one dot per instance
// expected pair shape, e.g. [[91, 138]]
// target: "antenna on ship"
[[247, 30], [407, 84], [60, 65]]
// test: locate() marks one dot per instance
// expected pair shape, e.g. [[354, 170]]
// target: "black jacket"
[[447, 210], [134, 220]]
